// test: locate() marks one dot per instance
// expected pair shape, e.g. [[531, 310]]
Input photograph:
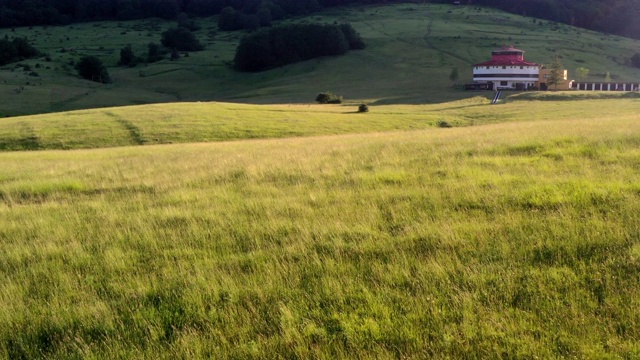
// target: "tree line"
[[282, 45], [611, 16]]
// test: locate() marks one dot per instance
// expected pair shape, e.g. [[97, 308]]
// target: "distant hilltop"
[[611, 16]]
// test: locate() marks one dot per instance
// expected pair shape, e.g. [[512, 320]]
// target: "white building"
[[507, 69]]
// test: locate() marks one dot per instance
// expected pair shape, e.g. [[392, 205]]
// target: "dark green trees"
[[91, 68], [288, 44], [181, 39], [154, 53], [127, 57], [16, 50]]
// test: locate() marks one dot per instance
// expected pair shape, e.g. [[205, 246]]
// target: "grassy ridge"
[[203, 122], [411, 51], [515, 240]]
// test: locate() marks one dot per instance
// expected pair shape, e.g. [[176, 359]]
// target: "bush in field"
[[91, 68], [363, 108], [328, 98], [127, 57], [154, 53], [181, 39]]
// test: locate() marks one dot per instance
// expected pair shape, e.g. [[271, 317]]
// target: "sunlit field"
[[516, 239], [210, 122]]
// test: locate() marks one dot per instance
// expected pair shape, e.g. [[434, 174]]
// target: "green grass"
[[208, 122], [509, 240], [411, 51], [247, 231]]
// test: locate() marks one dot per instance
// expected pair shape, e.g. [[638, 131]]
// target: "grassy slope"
[[515, 240], [203, 122], [412, 49]]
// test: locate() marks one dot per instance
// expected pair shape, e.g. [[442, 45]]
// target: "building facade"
[[507, 70]]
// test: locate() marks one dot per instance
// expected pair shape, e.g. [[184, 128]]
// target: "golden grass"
[[513, 239]]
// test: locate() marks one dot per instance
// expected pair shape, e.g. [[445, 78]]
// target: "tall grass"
[[518, 240]]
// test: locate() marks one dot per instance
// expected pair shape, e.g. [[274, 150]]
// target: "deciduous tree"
[[582, 73]]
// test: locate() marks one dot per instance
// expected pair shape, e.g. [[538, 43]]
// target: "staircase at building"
[[496, 97]]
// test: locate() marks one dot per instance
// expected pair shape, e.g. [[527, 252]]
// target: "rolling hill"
[[411, 51]]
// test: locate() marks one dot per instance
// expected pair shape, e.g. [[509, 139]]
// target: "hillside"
[[214, 122], [610, 16], [411, 51]]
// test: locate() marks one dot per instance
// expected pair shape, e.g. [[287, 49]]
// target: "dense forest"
[[612, 16], [282, 45]]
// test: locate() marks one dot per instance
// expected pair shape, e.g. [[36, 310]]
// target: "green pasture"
[[518, 239], [411, 51], [212, 121]]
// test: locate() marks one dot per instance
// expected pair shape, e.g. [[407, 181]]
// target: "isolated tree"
[[154, 53], [556, 76], [453, 76], [582, 73], [127, 57], [607, 77], [328, 97], [91, 68], [181, 39]]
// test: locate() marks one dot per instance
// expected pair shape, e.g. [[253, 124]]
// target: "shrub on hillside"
[[328, 98], [181, 39], [289, 44], [444, 124], [363, 108], [154, 53], [127, 57], [91, 68]]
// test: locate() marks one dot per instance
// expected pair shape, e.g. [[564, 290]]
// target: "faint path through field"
[[134, 131], [430, 45], [426, 38]]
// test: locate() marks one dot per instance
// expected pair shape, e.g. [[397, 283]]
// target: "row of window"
[[505, 67], [509, 76]]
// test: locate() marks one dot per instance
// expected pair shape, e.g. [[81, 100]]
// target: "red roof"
[[507, 56], [507, 62]]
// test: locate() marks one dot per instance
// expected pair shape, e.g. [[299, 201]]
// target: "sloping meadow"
[[512, 240]]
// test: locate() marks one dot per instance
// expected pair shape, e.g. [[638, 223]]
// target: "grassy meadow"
[[212, 122], [516, 239], [411, 51], [202, 227]]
